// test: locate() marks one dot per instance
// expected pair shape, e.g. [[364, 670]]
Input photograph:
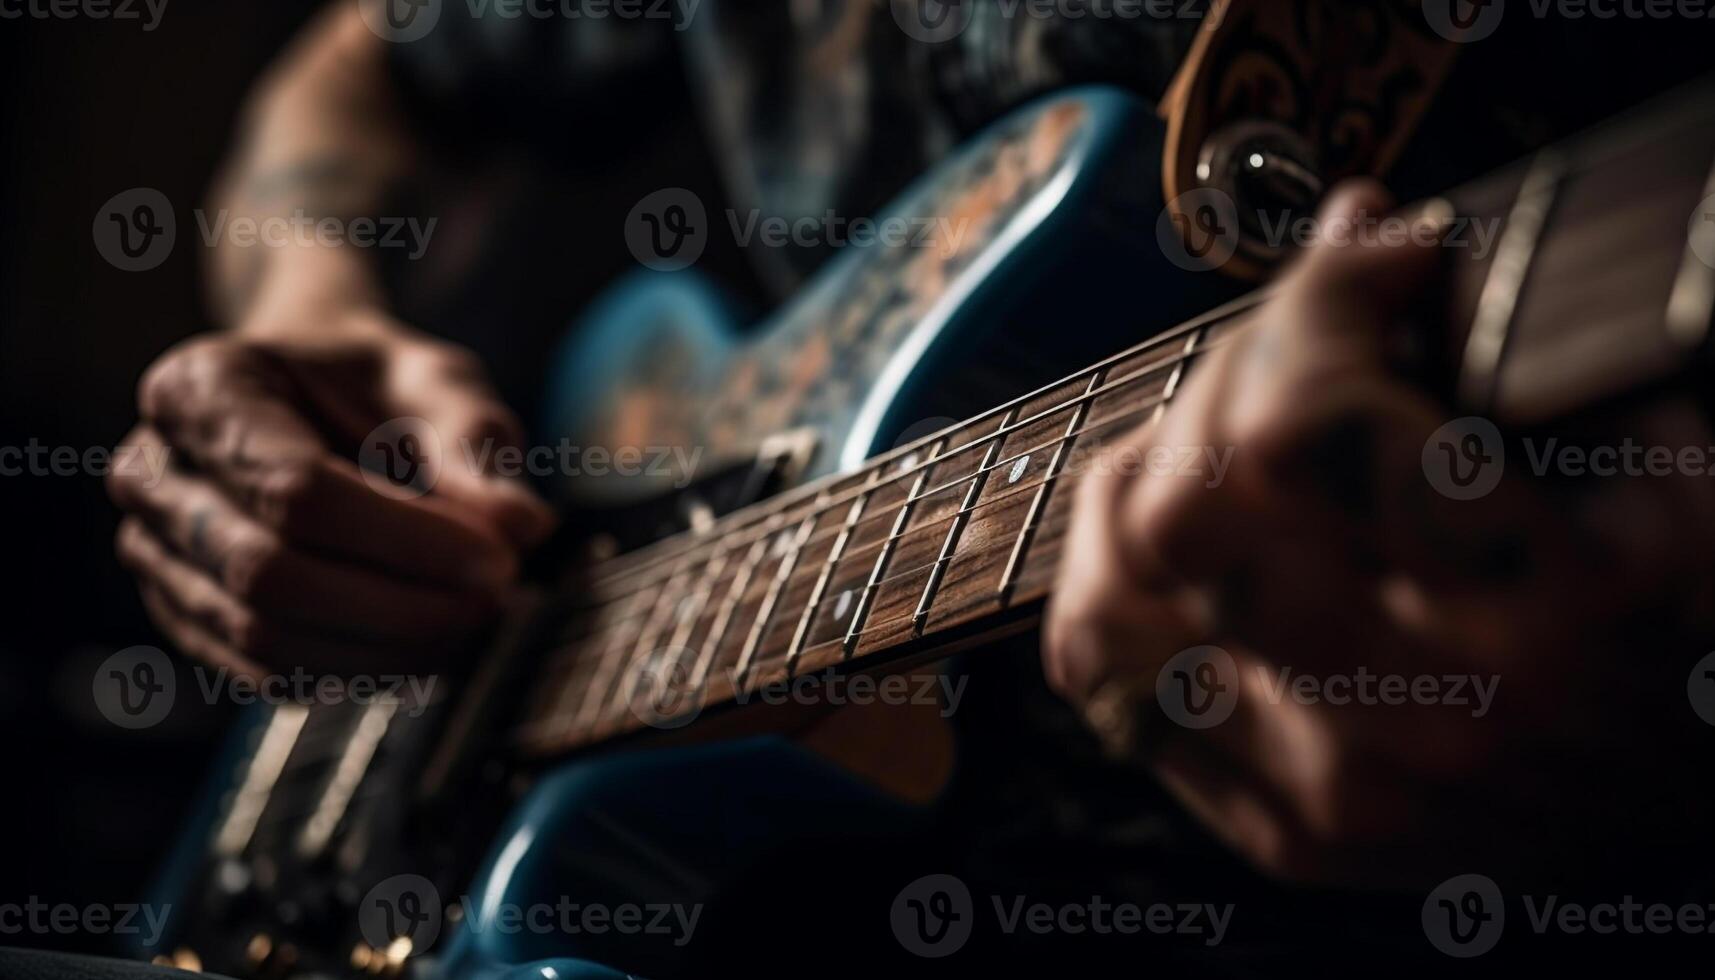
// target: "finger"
[[226, 628], [228, 411], [191, 639], [1101, 622], [245, 560]]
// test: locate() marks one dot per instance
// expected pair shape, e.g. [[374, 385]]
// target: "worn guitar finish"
[[1600, 284]]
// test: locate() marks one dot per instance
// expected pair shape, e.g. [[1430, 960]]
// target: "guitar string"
[[919, 530], [567, 670], [756, 513], [785, 504], [735, 543], [1580, 155], [758, 530]]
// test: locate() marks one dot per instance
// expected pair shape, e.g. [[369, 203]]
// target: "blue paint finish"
[[651, 827], [624, 319]]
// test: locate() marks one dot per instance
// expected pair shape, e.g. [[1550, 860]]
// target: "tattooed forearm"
[[322, 140]]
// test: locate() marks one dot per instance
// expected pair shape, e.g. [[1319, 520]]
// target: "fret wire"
[[1023, 453], [960, 521], [606, 674], [759, 547], [861, 610], [1497, 303], [647, 636], [772, 597], [1009, 495], [1028, 527], [608, 665], [729, 606], [1072, 403], [755, 513], [761, 540], [705, 590], [643, 561], [1173, 379], [1578, 158], [835, 553], [850, 640]]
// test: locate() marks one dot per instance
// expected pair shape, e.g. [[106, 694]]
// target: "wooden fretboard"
[[1592, 286]]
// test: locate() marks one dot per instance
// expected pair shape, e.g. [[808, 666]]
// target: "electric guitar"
[[818, 551]]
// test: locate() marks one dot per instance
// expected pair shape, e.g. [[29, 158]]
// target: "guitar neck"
[[1577, 275]]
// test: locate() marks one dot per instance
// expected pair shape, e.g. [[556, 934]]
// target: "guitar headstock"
[[1276, 101]]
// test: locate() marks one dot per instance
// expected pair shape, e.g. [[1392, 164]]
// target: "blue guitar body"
[[1044, 256]]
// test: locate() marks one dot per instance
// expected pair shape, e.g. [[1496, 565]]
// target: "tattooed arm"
[[323, 136], [264, 546]]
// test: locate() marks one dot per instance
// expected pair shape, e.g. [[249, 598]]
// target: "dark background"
[[91, 108]]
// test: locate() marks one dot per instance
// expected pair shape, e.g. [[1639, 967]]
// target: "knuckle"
[[453, 362], [122, 487], [186, 367], [249, 563], [1272, 436]]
